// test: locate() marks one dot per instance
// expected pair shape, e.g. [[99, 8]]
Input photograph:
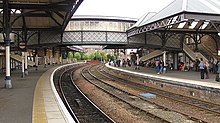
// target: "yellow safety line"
[[38, 112]]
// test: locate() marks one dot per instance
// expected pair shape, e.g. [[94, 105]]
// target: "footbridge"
[[87, 30]]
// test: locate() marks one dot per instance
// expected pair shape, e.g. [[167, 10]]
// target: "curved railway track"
[[150, 109], [79, 106], [210, 109]]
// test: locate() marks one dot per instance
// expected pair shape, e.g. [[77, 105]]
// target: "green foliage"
[[84, 56], [64, 56], [97, 56], [111, 57], [77, 55], [70, 55], [92, 56]]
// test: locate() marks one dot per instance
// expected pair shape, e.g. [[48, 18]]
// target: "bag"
[[217, 78]]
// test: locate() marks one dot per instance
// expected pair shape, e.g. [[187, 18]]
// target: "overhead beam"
[[43, 7], [49, 13], [70, 14]]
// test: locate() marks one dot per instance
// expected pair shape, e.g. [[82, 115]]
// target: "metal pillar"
[[53, 56], [22, 64], [164, 61], [126, 57], [164, 58], [61, 56], [45, 58], [36, 59], [26, 64], [7, 40], [175, 61]]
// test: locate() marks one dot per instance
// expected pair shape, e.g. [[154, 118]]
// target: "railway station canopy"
[[185, 16], [37, 14]]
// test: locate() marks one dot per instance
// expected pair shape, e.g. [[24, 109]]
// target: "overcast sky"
[[123, 8]]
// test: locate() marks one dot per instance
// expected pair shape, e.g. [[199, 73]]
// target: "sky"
[[122, 8]]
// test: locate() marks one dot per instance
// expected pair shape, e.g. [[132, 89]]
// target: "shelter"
[[194, 17], [22, 17]]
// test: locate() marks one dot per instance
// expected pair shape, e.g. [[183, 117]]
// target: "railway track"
[[133, 100], [211, 110], [79, 106]]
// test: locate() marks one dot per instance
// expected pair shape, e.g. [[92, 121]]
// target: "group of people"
[[122, 63], [159, 64], [205, 67]]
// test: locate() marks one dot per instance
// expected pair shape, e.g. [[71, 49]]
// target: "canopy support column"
[[26, 64], [22, 64], [7, 40]]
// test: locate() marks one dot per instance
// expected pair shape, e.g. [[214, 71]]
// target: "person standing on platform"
[[201, 67], [161, 67], [196, 64], [157, 64], [218, 72], [206, 69], [137, 63]]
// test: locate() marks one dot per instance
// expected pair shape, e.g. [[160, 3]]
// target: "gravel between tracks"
[[118, 112]]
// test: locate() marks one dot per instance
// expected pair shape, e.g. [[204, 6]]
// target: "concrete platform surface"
[[16, 104]]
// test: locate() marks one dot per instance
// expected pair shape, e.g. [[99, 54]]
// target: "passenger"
[[191, 66], [201, 67], [215, 66], [211, 67], [161, 67], [186, 66], [218, 71], [181, 66], [157, 65], [196, 64], [206, 69], [137, 65]]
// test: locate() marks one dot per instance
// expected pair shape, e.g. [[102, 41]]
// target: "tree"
[[77, 55], [111, 57], [97, 56], [84, 56], [70, 55], [64, 56], [103, 56], [92, 56]]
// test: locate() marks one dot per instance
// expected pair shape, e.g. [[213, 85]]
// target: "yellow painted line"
[[38, 112]]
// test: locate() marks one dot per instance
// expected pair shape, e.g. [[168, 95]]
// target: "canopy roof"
[[101, 17], [188, 15], [38, 14]]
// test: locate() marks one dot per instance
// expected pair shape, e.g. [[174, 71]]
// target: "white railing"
[[193, 54], [151, 55], [19, 59]]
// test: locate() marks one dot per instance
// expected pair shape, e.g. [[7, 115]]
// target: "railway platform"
[[31, 98], [191, 78]]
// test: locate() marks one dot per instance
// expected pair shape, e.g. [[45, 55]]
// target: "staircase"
[[193, 54], [151, 55], [19, 59]]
